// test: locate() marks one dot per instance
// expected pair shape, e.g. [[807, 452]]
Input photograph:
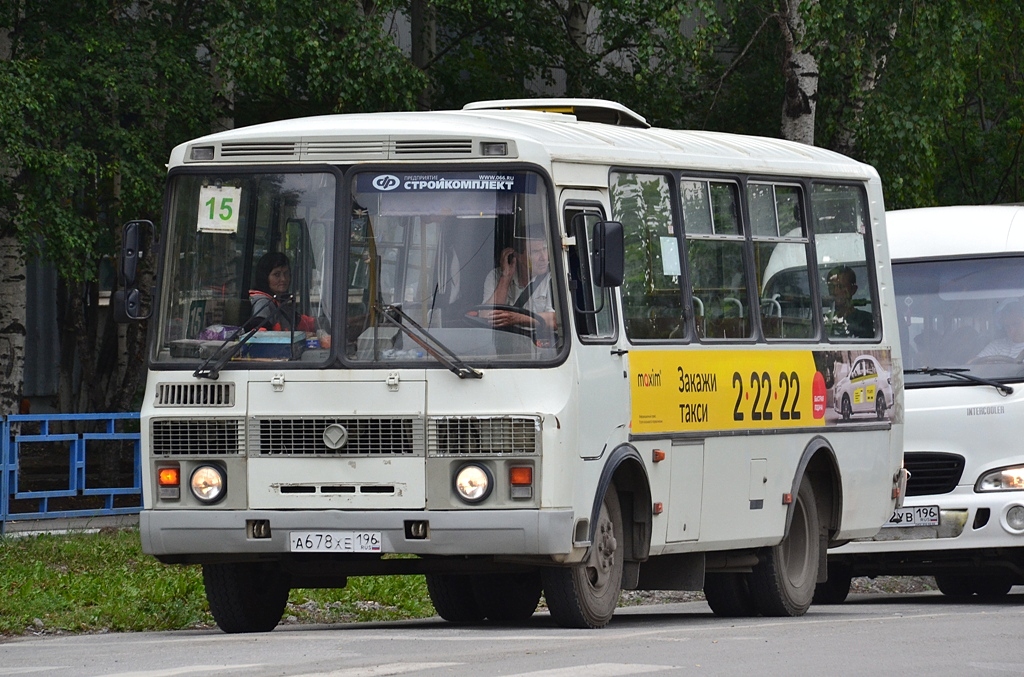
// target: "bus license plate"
[[334, 541], [916, 516]]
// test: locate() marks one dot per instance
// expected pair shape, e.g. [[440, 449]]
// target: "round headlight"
[[1015, 518], [208, 483], [473, 483]]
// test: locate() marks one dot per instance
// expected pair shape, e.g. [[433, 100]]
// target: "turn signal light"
[[168, 481], [521, 479]]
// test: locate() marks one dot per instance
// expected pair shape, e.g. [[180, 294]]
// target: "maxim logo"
[[651, 380]]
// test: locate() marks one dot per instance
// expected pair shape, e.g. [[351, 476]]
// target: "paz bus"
[[527, 347], [959, 283]]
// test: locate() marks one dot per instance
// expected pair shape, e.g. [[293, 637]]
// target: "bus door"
[[602, 386]]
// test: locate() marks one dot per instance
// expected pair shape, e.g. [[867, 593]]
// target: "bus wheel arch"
[[784, 581], [586, 594]]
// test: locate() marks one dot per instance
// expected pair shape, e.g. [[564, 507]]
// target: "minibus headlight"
[[1015, 518], [208, 483], [473, 483], [1003, 479]]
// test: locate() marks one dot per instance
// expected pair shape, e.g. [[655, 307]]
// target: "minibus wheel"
[[783, 581], [453, 598], [585, 595], [246, 596], [728, 594], [508, 598]]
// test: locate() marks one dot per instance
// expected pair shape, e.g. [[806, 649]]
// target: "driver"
[[1011, 345], [522, 279]]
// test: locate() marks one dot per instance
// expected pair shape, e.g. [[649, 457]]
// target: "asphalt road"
[[871, 634]]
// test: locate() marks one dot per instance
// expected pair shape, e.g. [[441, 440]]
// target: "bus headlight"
[[1004, 479], [1015, 518], [208, 483], [473, 483]]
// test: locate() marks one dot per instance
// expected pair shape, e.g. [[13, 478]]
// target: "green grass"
[[96, 582]]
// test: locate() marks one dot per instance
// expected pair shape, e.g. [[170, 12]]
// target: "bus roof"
[[954, 231], [544, 133]]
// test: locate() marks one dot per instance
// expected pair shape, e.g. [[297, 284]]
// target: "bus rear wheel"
[[585, 595], [508, 598], [728, 594], [246, 596], [783, 582], [453, 598]]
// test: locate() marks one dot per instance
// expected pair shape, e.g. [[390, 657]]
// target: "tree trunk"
[[800, 69], [423, 21], [12, 325]]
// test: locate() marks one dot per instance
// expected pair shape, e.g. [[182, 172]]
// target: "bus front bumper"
[[462, 532]]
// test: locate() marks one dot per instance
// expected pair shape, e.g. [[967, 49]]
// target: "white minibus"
[[530, 346], [959, 281]]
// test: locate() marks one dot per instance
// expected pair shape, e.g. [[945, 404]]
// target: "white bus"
[[959, 281], [517, 351]]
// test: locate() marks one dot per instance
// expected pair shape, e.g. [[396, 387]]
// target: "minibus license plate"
[[334, 541], [915, 516]]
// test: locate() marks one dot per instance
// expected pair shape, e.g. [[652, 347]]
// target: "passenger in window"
[[523, 280], [1011, 344], [272, 304], [845, 318]]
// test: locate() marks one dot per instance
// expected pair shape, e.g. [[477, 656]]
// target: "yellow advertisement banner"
[[701, 390]]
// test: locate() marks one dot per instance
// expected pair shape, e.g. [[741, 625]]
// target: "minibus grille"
[[457, 435], [341, 149], [932, 472], [195, 395], [197, 437], [363, 436], [281, 150]]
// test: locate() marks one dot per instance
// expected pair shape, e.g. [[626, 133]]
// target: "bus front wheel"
[[585, 595], [783, 582], [246, 596]]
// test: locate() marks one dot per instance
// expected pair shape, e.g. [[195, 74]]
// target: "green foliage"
[[102, 581]]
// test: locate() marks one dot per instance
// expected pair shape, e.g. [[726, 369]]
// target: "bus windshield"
[[248, 250], [456, 263], [961, 314]]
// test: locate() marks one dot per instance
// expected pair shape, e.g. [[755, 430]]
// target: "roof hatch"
[[586, 110]]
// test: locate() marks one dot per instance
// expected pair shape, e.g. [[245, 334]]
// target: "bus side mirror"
[[127, 301], [607, 254]]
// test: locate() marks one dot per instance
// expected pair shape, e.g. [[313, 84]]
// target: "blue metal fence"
[[58, 503]]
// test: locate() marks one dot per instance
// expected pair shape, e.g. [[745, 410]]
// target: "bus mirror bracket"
[[608, 254], [127, 301]]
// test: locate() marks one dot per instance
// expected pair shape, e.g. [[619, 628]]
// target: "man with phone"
[[522, 280]]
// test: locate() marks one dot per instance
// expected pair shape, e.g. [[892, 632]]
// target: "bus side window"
[[781, 260], [845, 278], [584, 296], [652, 300], [715, 251]]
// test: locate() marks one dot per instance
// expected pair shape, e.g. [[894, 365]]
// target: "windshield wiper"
[[424, 338], [212, 373], [963, 374]]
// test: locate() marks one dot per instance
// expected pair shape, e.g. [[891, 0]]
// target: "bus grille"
[[366, 436], [197, 437], [433, 147], [457, 435], [932, 472], [195, 395]]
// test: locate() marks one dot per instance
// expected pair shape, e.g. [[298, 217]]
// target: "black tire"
[[508, 598], [453, 598], [847, 408], [728, 595], [955, 585], [992, 587], [246, 596], [585, 595], [783, 582], [836, 588], [880, 406]]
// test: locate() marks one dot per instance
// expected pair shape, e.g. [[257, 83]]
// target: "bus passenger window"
[[781, 260], [716, 255], [840, 215], [651, 295]]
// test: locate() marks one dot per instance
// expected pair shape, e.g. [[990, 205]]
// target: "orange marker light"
[[169, 477], [657, 455], [520, 475]]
